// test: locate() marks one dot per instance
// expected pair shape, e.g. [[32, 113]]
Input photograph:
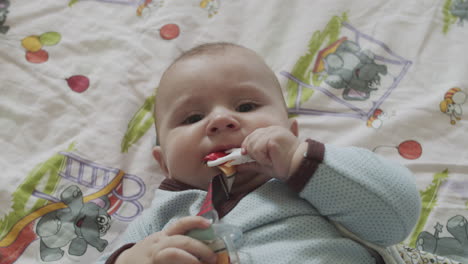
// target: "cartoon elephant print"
[[353, 70], [455, 247], [79, 224]]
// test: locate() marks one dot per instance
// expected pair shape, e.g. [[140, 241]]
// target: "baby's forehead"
[[214, 50], [229, 52], [235, 56]]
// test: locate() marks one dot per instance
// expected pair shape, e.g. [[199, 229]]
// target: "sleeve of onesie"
[[167, 207], [372, 197], [137, 230]]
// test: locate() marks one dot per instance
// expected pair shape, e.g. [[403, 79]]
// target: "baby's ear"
[[294, 127], [159, 157]]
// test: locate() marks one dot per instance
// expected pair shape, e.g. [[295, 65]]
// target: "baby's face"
[[209, 103]]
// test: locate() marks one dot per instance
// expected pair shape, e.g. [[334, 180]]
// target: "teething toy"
[[226, 162], [234, 157], [221, 238], [225, 168]]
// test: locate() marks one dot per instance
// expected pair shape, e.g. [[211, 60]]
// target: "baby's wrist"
[[119, 256], [309, 159]]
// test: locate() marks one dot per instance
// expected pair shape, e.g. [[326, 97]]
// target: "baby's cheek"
[[272, 120]]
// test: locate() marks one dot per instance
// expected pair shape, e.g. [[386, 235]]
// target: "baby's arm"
[[170, 245], [372, 197]]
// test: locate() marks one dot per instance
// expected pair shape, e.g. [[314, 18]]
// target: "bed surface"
[[78, 80]]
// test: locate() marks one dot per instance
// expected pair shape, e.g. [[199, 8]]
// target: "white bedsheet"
[[77, 80]]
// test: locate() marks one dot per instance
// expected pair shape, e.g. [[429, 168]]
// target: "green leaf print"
[[21, 197], [429, 201], [303, 68], [72, 2], [140, 123], [449, 19]]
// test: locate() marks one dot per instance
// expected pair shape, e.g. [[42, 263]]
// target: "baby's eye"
[[246, 107], [192, 119]]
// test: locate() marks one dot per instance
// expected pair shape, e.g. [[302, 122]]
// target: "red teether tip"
[[214, 156]]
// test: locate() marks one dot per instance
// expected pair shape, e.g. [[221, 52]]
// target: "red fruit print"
[[169, 31], [78, 83], [39, 56], [410, 149]]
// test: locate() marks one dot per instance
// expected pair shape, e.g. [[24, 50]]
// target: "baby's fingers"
[[188, 249], [256, 146], [186, 224], [176, 256]]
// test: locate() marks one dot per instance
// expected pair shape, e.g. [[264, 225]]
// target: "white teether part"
[[234, 156]]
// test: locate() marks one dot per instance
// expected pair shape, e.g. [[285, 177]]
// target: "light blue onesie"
[[290, 222]]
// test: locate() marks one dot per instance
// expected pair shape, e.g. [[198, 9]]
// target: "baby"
[[289, 202]]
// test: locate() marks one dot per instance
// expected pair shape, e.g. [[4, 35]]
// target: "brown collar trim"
[[223, 209], [175, 186]]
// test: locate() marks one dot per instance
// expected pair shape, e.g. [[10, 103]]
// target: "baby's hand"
[[171, 246], [273, 149]]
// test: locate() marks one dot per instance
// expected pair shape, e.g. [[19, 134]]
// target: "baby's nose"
[[222, 123]]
